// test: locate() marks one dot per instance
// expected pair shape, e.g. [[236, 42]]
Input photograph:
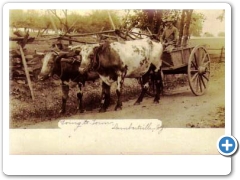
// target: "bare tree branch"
[[65, 25]]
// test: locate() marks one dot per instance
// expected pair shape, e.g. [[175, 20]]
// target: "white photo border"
[[115, 164]]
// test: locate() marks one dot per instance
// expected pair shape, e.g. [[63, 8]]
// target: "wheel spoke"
[[195, 59], [206, 64], [194, 77], [205, 55], [197, 84], [205, 77], [195, 71], [195, 66], [200, 57], [201, 78], [200, 84]]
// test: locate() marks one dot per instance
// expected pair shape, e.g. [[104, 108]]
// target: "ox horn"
[[39, 53]]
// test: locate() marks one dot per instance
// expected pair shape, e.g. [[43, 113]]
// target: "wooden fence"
[[217, 55], [18, 58]]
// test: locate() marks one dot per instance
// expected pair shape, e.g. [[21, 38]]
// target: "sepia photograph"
[[118, 74], [146, 83], [117, 64]]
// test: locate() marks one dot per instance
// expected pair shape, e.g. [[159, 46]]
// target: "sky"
[[212, 24]]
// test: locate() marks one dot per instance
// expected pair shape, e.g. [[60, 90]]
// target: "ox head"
[[87, 55], [48, 65]]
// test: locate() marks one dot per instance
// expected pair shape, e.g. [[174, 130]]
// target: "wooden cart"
[[193, 61]]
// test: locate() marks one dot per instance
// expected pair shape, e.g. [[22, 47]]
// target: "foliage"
[[97, 20], [197, 24], [151, 19], [208, 34], [29, 19], [70, 21], [221, 16], [221, 34], [142, 19], [17, 18]]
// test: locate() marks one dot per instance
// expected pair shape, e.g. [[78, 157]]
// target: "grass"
[[212, 43], [48, 95]]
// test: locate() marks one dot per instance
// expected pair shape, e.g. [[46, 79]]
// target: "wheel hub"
[[202, 70]]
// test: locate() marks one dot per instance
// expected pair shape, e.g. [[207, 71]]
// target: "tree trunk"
[[187, 27], [158, 28], [150, 16], [181, 28]]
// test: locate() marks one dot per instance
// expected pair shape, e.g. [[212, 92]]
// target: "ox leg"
[[145, 86], [105, 97], [65, 91], [120, 81], [159, 86], [79, 96], [161, 81]]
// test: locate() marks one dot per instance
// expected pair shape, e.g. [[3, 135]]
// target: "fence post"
[[221, 54], [26, 71]]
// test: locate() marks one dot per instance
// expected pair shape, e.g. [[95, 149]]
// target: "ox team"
[[112, 62]]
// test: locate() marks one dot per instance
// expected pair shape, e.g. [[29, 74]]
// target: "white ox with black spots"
[[130, 59]]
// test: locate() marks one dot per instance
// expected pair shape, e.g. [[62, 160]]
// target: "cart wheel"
[[198, 70]]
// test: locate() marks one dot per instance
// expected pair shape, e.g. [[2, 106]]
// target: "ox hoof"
[[156, 101], [118, 107], [82, 111], [136, 103], [102, 110]]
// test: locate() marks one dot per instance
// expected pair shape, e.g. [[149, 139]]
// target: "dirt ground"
[[178, 107]]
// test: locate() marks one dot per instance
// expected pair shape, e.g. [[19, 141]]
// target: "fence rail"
[[217, 54]]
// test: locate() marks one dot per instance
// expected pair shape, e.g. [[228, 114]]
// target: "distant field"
[[210, 42], [213, 45]]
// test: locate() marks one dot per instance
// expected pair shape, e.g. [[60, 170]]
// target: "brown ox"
[[66, 67]]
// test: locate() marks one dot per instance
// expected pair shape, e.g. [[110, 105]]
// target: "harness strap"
[[70, 60]]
